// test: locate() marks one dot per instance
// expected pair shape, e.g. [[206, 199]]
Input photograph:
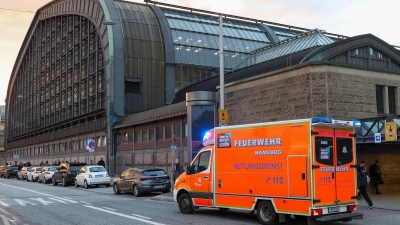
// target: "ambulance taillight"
[[208, 138], [316, 212], [351, 208]]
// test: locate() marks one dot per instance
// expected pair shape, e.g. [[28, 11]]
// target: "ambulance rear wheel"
[[185, 204], [266, 213]]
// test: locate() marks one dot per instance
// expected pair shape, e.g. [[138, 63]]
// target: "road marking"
[[27, 190], [85, 202], [3, 203], [5, 221], [109, 208], [126, 216], [141, 216], [58, 200], [23, 202], [65, 199], [41, 200]]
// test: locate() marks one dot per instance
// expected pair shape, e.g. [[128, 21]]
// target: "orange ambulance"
[[305, 168]]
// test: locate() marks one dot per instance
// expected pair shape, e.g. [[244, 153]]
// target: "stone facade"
[[305, 91]]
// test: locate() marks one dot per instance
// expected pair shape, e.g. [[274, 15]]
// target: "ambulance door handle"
[[220, 183], [303, 176], [333, 175], [205, 177]]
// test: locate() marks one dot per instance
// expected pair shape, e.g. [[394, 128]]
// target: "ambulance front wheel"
[[266, 213], [185, 204]]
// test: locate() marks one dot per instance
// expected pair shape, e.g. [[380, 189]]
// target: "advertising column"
[[201, 117]]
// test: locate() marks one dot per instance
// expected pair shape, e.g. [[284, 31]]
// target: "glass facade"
[[61, 75], [196, 44], [283, 34], [144, 57], [289, 46]]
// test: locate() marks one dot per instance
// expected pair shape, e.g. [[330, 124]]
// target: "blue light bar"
[[206, 135], [321, 120], [357, 123]]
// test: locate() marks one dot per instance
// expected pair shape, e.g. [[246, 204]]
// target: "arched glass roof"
[[288, 46]]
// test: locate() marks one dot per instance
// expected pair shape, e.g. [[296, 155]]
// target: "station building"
[[140, 77]]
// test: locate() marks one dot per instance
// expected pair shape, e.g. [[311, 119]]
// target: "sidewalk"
[[383, 201]]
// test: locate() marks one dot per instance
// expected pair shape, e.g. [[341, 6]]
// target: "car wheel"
[[38, 180], [185, 204], [76, 183], [136, 191], [44, 180], [107, 185], [116, 189], [54, 181], [266, 213], [7, 176], [85, 184], [64, 182], [27, 179]]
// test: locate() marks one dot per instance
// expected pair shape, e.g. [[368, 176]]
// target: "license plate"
[[333, 209], [158, 186], [98, 176]]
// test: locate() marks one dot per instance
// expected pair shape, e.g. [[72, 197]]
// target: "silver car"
[[142, 180], [46, 174]]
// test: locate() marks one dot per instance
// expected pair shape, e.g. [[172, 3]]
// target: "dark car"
[[12, 171], [142, 180], [66, 173]]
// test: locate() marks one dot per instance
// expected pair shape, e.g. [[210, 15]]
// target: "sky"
[[344, 17]]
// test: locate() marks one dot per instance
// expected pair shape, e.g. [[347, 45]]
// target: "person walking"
[[376, 176], [46, 163], [42, 164], [363, 183], [178, 169], [101, 163]]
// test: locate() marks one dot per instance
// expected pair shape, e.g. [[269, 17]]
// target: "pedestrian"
[[46, 163], [28, 164], [362, 183], [42, 164], [376, 175], [74, 161], [178, 169], [91, 162], [101, 163], [66, 161]]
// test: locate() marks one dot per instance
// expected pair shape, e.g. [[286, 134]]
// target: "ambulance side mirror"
[[188, 169]]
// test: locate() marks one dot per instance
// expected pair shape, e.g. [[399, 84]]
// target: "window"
[[177, 131], [125, 138], [151, 134], [344, 150], [98, 141], [130, 137], [379, 100], [104, 141], [380, 55], [168, 132], [201, 163], [145, 135], [138, 136], [356, 51], [160, 133], [371, 51], [392, 100], [185, 129], [324, 150]]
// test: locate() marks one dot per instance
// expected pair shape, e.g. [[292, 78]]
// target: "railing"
[[366, 132]]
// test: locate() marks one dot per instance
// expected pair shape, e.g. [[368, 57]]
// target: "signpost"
[[90, 146], [173, 148], [378, 138]]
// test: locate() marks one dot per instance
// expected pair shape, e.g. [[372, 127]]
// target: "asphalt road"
[[32, 203]]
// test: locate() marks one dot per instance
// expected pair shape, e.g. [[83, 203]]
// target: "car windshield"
[[38, 168], [153, 173], [29, 168], [14, 167], [97, 169], [75, 168], [51, 168]]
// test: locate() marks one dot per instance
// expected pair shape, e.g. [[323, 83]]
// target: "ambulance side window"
[[344, 150], [201, 163], [324, 150]]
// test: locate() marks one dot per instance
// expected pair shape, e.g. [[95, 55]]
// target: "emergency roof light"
[[357, 123], [208, 138], [321, 120]]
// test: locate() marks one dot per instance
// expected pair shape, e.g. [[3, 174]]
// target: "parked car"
[[12, 171], [46, 174], [142, 180], [66, 173], [34, 173], [92, 175], [23, 173], [2, 169]]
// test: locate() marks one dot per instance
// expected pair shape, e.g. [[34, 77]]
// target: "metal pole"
[[221, 64]]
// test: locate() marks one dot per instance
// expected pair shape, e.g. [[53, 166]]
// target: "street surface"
[[32, 203]]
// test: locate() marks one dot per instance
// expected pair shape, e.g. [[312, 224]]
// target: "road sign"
[[223, 116], [378, 138], [91, 145], [390, 131]]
